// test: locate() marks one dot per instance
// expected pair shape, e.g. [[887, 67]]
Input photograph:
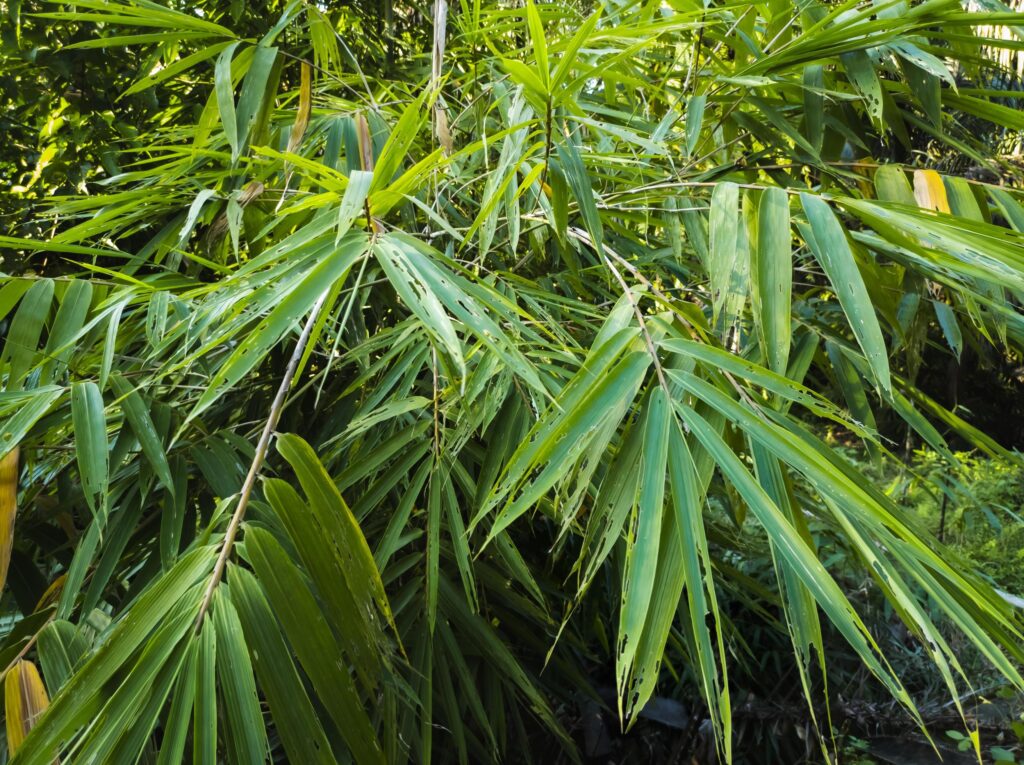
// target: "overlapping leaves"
[[540, 355]]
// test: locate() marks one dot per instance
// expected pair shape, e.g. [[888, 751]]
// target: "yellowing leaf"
[[8, 509], [929, 191], [26, 701], [52, 593], [305, 105]]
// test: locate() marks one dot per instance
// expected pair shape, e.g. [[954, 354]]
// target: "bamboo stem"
[[257, 461]]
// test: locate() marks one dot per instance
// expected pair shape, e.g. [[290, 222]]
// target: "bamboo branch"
[[257, 461]]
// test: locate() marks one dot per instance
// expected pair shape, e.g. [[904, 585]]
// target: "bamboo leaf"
[[950, 327], [22, 341], [540, 46], [25, 700], [582, 189], [773, 277], [833, 251], [352, 203], [723, 254], [643, 542], [67, 325], [225, 90], [322, 561], [89, 418], [82, 696], [28, 408], [695, 106], [337, 520], [254, 93], [138, 417], [234, 675], [204, 724], [929, 191], [315, 647], [9, 471], [301, 733]]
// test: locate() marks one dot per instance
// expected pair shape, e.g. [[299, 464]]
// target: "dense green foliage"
[[382, 384]]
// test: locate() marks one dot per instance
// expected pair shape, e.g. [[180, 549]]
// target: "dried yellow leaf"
[[8, 509], [26, 700], [305, 106], [930, 191], [52, 593]]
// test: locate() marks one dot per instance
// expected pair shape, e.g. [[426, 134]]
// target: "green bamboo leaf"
[[420, 301], [568, 57], [21, 411], [724, 225], [22, 341], [992, 252], [687, 492], [62, 646], [428, 281], [172, 746], [612, 507], [172, 519], [326, 568], [891, 185], [831, 248], [315, 646], [794, 550], [773, 277], [394, 151], [540, 45], [132, 709], [847, 489], [459, 541], [12, 292], [337, 520], [962, 199], [255, 91], [642, 546], [176, 68], [248, 738], [110, 341], [532, 82], [433, 557], [204, 721], [284, 317], [137, 737], [91, 450], [138, 417], [67, 325], [694, 121], [582, 188], [814, 104], [950, 327], [481, 636], [137, 39], [560, 439], [784, 388], [853, 389], [225, 89], [83, 695], [861, 72], [1010, 207], [296, 721], [352, 203], [152, 14], [801, 611]]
